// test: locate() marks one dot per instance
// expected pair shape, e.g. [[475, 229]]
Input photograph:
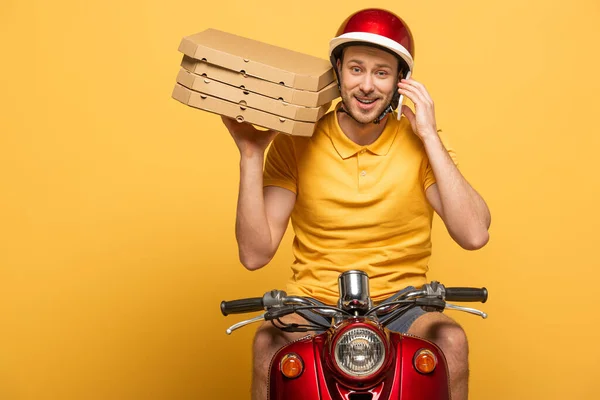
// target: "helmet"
[[375, 27], [381, 29]]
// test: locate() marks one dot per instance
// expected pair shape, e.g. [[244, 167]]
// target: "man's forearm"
[[252, 227], [465, 213]]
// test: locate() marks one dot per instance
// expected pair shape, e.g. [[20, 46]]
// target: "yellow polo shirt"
[[357, 207]]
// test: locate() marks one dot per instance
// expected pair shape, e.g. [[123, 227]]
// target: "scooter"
[[356, 357]]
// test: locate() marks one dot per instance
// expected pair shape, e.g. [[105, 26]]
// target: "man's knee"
[[452, 337], [266, 341], [443, 331], [269, 339]]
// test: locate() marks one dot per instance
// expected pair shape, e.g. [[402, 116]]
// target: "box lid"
[[265, 61]]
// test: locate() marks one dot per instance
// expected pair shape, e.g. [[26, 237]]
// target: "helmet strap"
[[385, 112]]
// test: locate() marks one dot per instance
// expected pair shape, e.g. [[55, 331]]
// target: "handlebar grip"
[[242, 306], [466, 294]]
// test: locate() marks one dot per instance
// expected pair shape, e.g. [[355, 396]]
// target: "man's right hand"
[[249, 140]]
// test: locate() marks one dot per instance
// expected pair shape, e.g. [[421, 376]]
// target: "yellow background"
[[117, 203]]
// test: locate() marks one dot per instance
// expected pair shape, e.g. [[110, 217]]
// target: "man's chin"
[[365, 118]]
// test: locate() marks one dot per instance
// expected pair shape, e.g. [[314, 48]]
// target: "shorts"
[[401, 324]]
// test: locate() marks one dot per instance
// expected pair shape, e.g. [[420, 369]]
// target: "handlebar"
[[466, 294], [242, 306], [431, 297]]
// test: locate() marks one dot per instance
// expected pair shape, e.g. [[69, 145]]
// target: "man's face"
[[368, 81]]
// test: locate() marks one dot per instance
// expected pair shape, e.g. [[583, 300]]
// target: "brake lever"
[[244, 323], [466, 309]]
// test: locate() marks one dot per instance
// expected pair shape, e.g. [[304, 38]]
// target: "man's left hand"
[[423, 119]]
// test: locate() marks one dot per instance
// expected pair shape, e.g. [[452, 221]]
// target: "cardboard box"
[[294, 96], [246, 98], [261, 60], [242, 113]]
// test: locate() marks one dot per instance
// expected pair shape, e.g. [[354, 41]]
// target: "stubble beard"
[[360, 115]]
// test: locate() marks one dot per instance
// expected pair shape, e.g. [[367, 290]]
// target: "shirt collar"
[[346, 148]]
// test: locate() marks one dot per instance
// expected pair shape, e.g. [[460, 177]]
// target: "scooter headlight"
[[359, 352]]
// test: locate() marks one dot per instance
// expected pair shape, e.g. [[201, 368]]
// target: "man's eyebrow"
[[360, 62], [354, 60]]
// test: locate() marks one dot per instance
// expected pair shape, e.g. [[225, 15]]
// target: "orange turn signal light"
[[291, 366], [425, 361]]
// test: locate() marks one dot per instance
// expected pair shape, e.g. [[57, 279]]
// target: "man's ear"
[[338, 64]]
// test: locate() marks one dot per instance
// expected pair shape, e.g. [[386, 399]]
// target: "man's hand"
[[423, 123], [249, 140]]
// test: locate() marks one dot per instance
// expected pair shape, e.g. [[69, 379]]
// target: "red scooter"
[[356, 357]]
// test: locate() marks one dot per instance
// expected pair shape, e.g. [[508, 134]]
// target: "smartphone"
[[399, 109]]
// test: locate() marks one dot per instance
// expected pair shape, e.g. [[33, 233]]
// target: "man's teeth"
[[365, 101]]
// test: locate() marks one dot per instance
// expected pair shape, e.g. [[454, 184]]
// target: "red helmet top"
[[378, 27]]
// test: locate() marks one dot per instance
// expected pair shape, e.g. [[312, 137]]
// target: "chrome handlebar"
[[278, 300]]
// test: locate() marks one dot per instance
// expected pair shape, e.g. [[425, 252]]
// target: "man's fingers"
[[229, 122], [271, 134], [415, 84], [410, 115], [412, 93], [420, 88]]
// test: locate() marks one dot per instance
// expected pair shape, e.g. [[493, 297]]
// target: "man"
[[360, 192]]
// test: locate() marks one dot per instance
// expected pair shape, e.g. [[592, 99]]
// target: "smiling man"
[[361, 192]]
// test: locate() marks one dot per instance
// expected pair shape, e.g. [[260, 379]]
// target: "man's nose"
[[366, 85]]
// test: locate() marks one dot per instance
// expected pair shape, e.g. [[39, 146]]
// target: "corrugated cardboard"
[[261, 60], [241, 113], [249, 99], [294, 96]]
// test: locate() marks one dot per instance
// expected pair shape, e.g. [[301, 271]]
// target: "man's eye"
[[382, 73], [355, 69]]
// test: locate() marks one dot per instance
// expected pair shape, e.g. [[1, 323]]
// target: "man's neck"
[[361, 134]]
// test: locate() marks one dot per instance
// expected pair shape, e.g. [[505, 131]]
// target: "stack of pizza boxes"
[[254, 82]]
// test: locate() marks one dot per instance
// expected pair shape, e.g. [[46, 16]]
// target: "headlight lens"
[[359, 352]]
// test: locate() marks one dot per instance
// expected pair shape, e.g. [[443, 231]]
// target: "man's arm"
[[462, 209], [262, 213]]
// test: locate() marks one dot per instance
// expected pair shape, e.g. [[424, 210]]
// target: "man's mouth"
[[365, 101]]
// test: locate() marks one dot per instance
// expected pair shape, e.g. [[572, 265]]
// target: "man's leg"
[[450, 337], [267, 341]]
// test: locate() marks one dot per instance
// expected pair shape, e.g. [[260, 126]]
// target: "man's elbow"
[[475, 242], [254, 262]]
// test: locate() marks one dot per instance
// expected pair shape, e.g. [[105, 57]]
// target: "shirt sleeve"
[[429, 177], [280, 166]]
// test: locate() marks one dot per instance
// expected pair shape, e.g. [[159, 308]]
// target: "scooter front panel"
[[418, 386], [303, 387], [400, 381]]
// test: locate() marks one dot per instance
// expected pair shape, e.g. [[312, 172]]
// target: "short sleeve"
[[280, 166], [429, 177]]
